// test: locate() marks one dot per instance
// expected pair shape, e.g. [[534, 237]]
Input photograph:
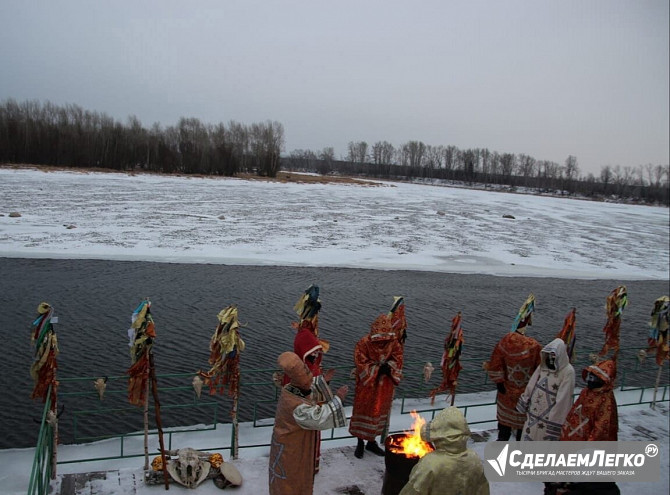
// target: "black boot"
[[504, 432], [359, 449], [373, 447]]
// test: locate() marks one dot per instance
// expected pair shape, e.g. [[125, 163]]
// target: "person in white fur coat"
[[548, 395]]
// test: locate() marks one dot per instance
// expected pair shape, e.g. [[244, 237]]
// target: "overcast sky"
[[544, 78]]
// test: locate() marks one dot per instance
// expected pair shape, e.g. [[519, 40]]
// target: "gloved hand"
[[501, 388], [385, 369]]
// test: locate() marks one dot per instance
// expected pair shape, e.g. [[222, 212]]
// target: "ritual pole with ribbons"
[[398, 319], [617, 300], [450, 362], [223, 377], [658, 337], [142, 334], [567, 333], [43, 370]]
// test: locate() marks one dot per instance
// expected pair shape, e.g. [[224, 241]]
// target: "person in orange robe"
[[297, 420], [593, 417], [378, 359], [512, 363]]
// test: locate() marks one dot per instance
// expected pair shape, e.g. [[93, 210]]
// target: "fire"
[[411, 444]]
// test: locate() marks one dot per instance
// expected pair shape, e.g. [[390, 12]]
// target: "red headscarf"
[[306, 343]]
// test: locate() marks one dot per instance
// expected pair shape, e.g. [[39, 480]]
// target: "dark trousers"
[[584, 488], [505, 432]]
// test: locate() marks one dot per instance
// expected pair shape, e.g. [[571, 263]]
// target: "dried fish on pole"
[[616, 302], [658, 337], [43, 369], [225, 347], [567, 333], [451, 365]]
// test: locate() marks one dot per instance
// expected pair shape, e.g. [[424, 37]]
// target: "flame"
[[411, 444]]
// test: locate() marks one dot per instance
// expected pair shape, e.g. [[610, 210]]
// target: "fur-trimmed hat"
[[295, 369]]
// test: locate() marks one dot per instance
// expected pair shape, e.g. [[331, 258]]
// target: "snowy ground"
[[340, 469], [388, 226]]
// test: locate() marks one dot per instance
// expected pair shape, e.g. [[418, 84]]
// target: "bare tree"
[[382, 153], [571, 168], [357, 151]]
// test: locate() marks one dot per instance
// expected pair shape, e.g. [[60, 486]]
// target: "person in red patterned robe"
[[378, 359], [593, 418], [512, 363]]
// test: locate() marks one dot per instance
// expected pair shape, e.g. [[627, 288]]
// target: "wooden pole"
[[146, 418], [54, 450], [658, 381], [236, 431], [159, 422]]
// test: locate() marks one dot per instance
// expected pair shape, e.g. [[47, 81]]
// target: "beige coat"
[[452, 468], [298, 418]]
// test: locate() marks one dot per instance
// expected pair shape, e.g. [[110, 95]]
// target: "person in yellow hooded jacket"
[[452, 468]]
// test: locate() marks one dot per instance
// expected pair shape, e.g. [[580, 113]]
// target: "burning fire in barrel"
[[403, 451]]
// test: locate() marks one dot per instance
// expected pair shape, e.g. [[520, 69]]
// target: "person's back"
[[452, 468]]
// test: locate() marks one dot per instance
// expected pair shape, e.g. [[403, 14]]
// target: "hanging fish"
[[197, 385], [428, 371], [100, 385]]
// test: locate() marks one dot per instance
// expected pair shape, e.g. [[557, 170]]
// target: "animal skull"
[[188, 469], [100, 385], [428, 371]]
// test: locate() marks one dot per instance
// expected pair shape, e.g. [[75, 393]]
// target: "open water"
[[94, 301]]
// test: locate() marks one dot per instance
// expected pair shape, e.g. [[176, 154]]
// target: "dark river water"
[[94, 301]]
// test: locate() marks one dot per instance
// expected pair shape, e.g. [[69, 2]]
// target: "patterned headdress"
[[380, 330]]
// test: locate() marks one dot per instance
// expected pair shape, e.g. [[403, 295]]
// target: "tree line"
[[46, 134], [415, 160]]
